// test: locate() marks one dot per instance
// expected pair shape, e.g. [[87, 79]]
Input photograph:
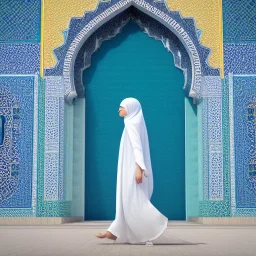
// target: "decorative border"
[[234, 210], [226, 139], [46, 208], [83, 61], [212, 137], [184, 29], [68, 68], [205, 148], [149, 26], [208, 206], [35, 147], [54, 123], [232, 146]]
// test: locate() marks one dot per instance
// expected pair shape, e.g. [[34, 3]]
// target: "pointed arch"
[[80, 30]]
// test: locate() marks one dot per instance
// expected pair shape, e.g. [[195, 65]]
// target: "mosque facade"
[[46, 46]]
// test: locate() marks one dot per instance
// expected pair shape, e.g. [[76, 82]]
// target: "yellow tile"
[[57, 14], [208, 18]]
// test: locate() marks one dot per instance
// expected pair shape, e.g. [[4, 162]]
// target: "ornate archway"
[[183, 29], [179, 35]]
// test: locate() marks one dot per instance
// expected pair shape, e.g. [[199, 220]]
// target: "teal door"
[[134, 65]]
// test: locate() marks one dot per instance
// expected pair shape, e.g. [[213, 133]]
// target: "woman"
[[137, 220]]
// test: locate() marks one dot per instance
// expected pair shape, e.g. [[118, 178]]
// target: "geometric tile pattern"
[[240, 58], [214, 209], [232, 146], [20, 20], [16, 152], [226, 140], [19, 58], [217, 208], [35, 146], [57, 208], [54, 98], [213, 150], [239, 20], [244, 104]]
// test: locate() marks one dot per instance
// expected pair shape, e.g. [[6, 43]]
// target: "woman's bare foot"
[[107, 234], [100, 235]]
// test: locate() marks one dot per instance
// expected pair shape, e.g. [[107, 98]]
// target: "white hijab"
[[133, 110], [136, 128]]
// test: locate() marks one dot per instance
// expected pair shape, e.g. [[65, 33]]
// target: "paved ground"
[[180, 238]]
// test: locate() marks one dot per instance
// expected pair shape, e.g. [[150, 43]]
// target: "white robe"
[[136, 220]]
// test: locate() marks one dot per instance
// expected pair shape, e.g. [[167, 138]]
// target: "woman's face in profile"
[[122, 111]]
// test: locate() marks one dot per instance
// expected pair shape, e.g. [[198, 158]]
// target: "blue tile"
[[239, 18], [240, 58], [244, 97], [19, 58], [20, 20], [16, 152]]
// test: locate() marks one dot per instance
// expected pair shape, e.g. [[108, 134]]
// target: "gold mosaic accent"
[[57, 14], [208, 18]]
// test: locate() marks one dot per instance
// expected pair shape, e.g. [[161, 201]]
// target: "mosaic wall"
[[217, 206], [239, 20], [19, 62], [20, 20], [19, 58], [240, 71], [32, 108], [47, 198], [240, 58], [237, 115], [16, 162], [244, 109]]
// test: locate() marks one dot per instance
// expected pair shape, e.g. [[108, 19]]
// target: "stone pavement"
[[77, 239]]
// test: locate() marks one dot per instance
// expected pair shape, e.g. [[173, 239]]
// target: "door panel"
[[134, 65]]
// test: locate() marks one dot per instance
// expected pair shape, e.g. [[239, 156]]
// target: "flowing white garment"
[[136, 220]]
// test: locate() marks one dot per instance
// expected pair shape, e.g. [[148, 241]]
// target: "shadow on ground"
[[186, 243]]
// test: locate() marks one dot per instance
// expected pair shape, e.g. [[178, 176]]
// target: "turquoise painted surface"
[[191, 161], [134, 65]]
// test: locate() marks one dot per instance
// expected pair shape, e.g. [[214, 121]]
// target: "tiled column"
[[54, 135], [212, 122]]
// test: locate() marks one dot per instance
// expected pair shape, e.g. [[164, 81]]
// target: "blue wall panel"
[[16, 152], [239, 20], [245, 140], [240, 58], [19, 58], [20, 20]]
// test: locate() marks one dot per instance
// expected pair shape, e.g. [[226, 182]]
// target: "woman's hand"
[[139, 175]]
